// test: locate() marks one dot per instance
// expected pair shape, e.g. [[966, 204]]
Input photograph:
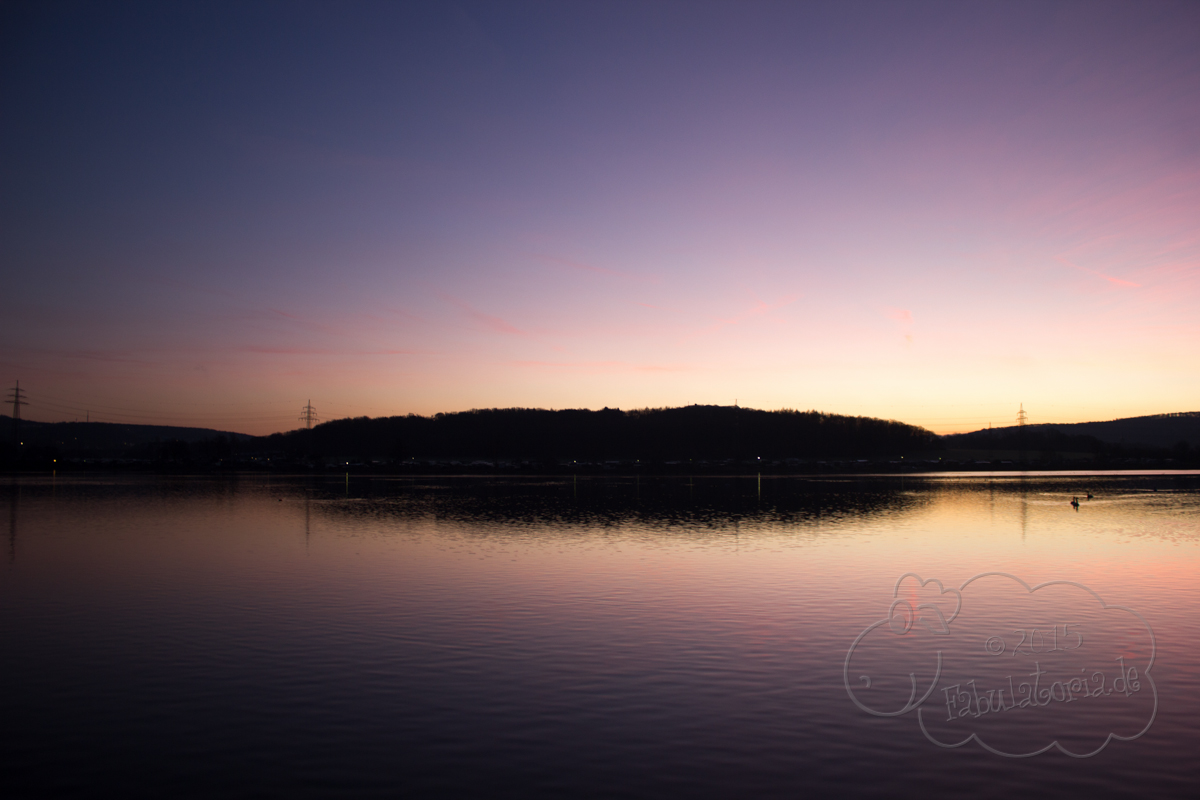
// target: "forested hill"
[[662, 434], [110, 438], [1157, 431], [692, 432]]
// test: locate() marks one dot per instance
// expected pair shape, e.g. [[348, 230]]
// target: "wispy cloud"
[[1114, 281], [579, 265], [308, 154], [307, 324], [489, 321], [600, 366], [760, 308], [326, 351], [904, 318], [113, 356], [175, 283], [656, 308]]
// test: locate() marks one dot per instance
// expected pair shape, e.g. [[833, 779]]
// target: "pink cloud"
[[900, 315], [579, 265], [760, 308], [325, 351], [305, 323], [1109, 278], [657, 308], [594, 367], [288, 150], [191, 287], [120, 357], [488, 320], [403, 314]]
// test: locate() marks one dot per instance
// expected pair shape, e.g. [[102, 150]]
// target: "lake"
[[351, 636]]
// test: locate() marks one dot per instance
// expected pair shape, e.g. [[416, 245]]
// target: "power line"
[[128, 411], [72, 406], [169, 420], [79, 409]]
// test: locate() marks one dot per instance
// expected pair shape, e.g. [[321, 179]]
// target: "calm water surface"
[[690, 637]]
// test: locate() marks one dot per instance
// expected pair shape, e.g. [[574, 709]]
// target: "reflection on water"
[[587, 636], [13, 500]]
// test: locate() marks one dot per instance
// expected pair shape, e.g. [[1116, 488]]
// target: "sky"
[[211, 213]]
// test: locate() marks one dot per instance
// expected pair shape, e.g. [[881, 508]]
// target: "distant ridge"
[[718, 434], [669, 435], [1155, 430], [106, 437]]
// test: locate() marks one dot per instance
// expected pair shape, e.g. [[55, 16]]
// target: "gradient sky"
[[930, 212]]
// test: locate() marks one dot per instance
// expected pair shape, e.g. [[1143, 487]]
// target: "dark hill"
[[1159, 431], [661, 434], [102, 439]]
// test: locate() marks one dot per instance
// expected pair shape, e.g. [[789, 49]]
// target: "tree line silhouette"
[[548, 438], [653, 434], [1047, 442]]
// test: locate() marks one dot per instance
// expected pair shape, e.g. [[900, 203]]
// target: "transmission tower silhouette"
[[17, 398], [308, 415], [1022, 421]]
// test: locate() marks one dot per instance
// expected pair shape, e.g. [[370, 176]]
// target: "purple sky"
[[929, 212]]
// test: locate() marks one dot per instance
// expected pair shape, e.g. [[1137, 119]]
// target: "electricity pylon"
[[17, 398], [1022, 421], [308, 415]]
